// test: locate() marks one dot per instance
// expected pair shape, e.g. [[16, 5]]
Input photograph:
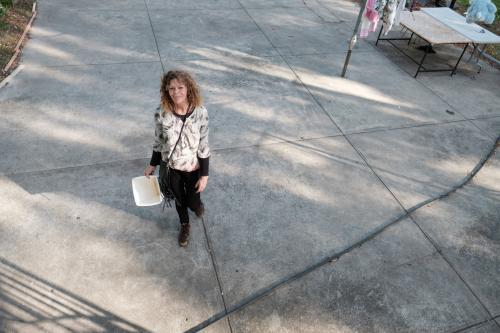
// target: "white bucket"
[[146, 191]]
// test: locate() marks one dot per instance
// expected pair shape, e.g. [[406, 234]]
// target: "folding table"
[[431, 30], [477, 34]]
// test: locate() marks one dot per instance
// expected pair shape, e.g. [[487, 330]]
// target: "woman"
[[181, 140]]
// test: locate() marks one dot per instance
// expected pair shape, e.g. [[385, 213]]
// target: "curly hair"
[[193, 91]]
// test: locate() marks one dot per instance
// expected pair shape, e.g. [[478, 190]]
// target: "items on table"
[[481, 11]]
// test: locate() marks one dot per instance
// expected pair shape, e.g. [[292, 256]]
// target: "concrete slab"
[[316, 7], [263, 201], [344, 10], [222, 326], [465, 226], [192, 4], [78, 230], [253, 101], [375, 95], [490, 125], [190, 32], [321, 11], [446, 56], [253, 4], [489, 327], [419, 163], [75, 37], [93, 4], [297, 31], [78, 115], [78, 255], [371, 289], [471, 93]]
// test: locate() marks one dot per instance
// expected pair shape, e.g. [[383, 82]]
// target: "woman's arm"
[[157, 146], [203, 148], [203, 153]]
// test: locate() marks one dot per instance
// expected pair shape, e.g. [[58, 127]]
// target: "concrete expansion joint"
[[84, 9], [475, 325], [330, 12], [72, 167], [312, 11], [388, 129], [330, 259], [93, 64], [154, 35], [216, 272], [450, 264]]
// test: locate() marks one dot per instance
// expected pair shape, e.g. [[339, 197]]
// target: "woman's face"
[[178, 92]]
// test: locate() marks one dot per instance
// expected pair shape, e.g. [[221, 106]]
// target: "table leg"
[[455, 69], [473, 51], [380, 32], [409, 41], [477, 59], [480, 53], [423, 59]]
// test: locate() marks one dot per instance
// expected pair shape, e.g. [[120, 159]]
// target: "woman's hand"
[[150, 169], [201, 184]]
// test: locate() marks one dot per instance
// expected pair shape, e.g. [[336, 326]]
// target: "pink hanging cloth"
[[369, 20]]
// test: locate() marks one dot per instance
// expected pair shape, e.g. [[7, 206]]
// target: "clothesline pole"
[[354, 37]]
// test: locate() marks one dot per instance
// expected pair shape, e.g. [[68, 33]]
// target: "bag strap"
[[178, 139]]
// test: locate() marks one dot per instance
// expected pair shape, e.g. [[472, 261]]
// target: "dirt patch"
[[12, 26]]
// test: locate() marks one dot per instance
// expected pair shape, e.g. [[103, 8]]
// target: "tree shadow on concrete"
[[313, 197], [30, 303]]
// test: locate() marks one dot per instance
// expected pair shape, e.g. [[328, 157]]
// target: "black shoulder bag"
[[165, 175]]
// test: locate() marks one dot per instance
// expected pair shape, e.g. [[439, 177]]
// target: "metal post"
[[412, 5], [353, 38]]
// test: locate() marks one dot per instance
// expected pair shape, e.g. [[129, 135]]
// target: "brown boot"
[[184, 234], [200, 210]]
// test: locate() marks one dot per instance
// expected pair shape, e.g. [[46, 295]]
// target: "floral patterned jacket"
[[193, 144]]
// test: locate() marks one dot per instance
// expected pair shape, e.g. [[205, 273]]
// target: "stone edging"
[[18, 46], [9, 78]]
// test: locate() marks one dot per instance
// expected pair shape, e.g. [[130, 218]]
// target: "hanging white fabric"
[[375, 10]]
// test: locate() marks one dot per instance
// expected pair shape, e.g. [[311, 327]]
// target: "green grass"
[[12, 25]]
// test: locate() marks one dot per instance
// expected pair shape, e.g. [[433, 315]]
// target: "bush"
[[6, 3], [2, 11]]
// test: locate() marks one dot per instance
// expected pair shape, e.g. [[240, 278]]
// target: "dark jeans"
[[182, 184]]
